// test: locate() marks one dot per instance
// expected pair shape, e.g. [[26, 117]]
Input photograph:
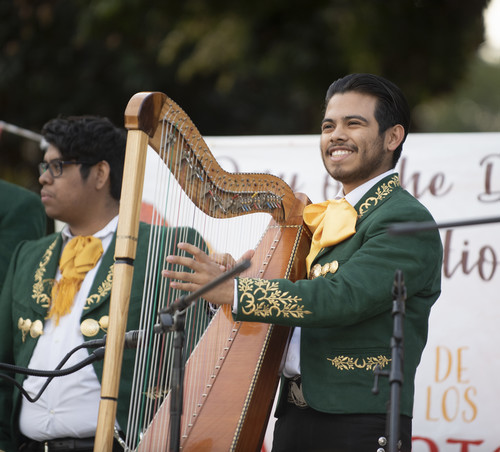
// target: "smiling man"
[[353, 149], [343, 323]]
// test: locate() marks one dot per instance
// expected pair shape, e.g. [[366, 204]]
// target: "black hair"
[[91, 139], [391, 108]]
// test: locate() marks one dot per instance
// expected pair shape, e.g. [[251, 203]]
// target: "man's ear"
[[394, 137], [102, 173]]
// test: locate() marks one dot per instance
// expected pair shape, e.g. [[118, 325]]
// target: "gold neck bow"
[[80, 255], [331, 222]]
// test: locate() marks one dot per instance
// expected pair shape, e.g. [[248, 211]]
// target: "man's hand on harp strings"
[[205, 269]]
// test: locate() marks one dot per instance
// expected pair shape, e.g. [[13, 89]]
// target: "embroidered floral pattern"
[[263, 298], [40, 289], [156, 393], [382, 191], [342, 362], [39, 293], [102, 290]]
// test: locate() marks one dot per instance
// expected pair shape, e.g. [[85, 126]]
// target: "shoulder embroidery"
[[382, 191], [342, 362], [39, 294], [263, 298]]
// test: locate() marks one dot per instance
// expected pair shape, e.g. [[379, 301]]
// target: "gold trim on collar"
[[382, 191]]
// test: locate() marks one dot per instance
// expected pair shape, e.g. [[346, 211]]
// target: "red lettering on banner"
[[432, 445], [465, 444]]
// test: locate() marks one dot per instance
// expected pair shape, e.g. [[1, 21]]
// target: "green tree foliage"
[[236, 67], [472, 107]]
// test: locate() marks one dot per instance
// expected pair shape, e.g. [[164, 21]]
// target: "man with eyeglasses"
[[49, 306]]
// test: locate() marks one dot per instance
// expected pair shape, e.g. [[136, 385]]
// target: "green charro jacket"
[[25, 297], [22, 217], [345, 314]]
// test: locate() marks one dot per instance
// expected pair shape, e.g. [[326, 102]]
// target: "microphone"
[[133, 339]]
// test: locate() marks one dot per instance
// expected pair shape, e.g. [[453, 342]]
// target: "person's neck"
[[93, 224]]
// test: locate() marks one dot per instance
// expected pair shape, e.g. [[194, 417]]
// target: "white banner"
[[457, 176]]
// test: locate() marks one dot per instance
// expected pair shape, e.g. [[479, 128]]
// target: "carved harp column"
[[232, 368]]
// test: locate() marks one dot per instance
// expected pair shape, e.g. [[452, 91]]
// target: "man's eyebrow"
[[361, 118], [347, 118]]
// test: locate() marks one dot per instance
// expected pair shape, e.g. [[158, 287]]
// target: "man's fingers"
[[197, 253], [182, 276], [181, 260], [247, 255]]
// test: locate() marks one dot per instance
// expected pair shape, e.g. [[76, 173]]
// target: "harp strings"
[[174, 218]]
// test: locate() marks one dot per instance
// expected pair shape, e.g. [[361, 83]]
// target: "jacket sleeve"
[[23, 219], [361, 287], [6, 356]]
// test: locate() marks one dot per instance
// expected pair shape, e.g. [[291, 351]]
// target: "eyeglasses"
[[55, 167]]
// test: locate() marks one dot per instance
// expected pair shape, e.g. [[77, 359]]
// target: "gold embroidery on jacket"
[[39, 294], [382, 191], [155, 393], [342, 362], [263, 299], [102, 290]]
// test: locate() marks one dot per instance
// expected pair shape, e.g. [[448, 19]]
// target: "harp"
[[232, 371]]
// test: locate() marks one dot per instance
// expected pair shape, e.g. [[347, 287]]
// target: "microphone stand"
[[399, 292], [172, 319], [397, 351]]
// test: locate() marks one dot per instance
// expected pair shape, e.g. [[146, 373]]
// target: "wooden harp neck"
[[213, 190]]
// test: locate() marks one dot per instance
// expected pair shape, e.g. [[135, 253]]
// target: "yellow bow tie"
[[331, 222], [80, 255]]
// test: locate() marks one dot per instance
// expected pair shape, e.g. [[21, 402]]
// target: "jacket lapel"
[[376, 196], [373, 199], [44, 277], [101, 287]]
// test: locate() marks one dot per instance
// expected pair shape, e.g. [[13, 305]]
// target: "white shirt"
[[292, 361], [69, 405]]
